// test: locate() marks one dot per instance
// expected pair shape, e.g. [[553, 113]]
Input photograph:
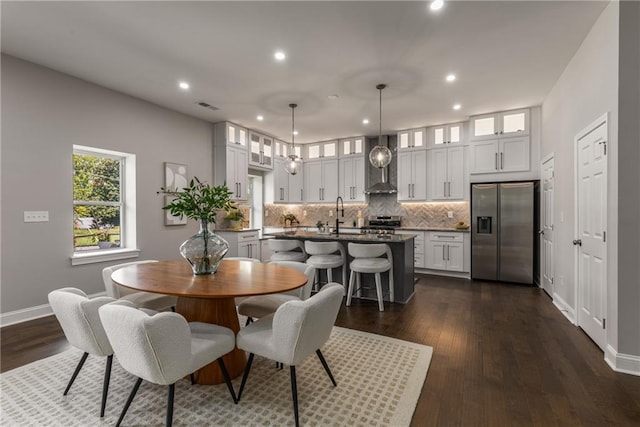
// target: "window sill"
[[102, 256]]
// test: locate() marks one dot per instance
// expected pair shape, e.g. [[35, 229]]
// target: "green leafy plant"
[[320, 224], [234, 215], [291, 218], [199, 201]]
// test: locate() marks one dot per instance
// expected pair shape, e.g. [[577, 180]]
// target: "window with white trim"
[[103, 205]]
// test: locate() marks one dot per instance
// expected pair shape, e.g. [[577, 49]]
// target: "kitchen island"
[[401, 248]]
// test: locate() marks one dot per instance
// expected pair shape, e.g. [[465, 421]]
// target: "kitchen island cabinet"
[[402, 248]]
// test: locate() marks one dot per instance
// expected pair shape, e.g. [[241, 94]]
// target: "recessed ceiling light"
[[279, 55], [451, 77], [457, 106], [365, 121], [183, 85], [436, 4], [332, 97], [260, 118], [295, 132]]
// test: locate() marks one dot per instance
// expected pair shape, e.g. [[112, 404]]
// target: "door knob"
[[577, 242], [541, 232]]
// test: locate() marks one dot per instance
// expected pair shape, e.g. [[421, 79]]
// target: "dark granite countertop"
[[460, 230], [353, 237]]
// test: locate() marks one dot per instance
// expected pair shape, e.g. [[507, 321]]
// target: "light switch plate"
[[330, 212], [36, 216], [449, 214]]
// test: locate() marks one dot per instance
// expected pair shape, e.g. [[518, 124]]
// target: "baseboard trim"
[[564, 308], [623, 363], [32, 313], [459, 275]]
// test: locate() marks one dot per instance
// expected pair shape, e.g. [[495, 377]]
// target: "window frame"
[[128, 238]]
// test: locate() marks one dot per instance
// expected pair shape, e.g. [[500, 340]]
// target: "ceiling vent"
[[207, 105]]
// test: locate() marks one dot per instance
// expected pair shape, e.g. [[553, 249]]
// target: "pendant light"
[[293, 164], [380, 156]]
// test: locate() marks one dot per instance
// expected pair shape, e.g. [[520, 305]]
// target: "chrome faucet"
[[339, 202]]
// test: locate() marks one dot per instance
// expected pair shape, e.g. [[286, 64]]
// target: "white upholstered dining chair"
[[140, 299], [263, 305], [79, 319], [163, 348], [293, 332]]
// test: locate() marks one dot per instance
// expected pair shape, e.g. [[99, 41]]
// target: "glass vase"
[[204, 250]]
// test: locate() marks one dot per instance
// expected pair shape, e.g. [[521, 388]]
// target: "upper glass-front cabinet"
[[445, 135], [507, 123], [236, 135], [321, 150], [261, 151], [412, 139], [351, 146]]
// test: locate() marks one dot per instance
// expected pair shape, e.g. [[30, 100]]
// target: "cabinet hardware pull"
[[501, 160], [496, 161], [444, 184], [577, 242]]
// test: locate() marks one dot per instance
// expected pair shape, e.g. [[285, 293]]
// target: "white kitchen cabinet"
[[321, 181], [502, 124], [242, 243], [351, 178], [445, 167], [445, 135], [418, 247], [230, 162], [231, 134], [282, 187], [261, 151], [237, 172], [445, 251], [412, 139], [412, 175], [280, 150], [265, 250], [321, 150], [351, 146], [500, 155]]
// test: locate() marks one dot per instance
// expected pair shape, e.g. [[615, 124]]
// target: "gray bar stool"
[[324, 255], [286, 250], [367, 260]]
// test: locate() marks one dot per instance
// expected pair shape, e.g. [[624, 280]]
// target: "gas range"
[[383, 226]]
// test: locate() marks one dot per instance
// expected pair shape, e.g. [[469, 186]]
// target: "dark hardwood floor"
[[503, 356]]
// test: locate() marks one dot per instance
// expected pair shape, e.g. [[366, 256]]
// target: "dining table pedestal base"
[[219, 311]]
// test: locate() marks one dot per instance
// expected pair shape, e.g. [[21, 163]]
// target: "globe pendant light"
[[380, 156], [293, 164]]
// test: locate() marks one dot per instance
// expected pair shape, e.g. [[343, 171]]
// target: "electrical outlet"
[[449, 214], [36, 216], [304, 213], [266, 213], [330, 212]]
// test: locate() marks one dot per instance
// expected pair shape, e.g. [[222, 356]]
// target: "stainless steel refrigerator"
[[504, 225]]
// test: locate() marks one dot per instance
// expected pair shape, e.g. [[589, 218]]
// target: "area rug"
[[379, 382]]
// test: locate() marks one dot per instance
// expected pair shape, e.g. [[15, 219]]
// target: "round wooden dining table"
[[211, 298]]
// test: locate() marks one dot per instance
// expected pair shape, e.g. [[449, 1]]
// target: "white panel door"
[[436, 253], [592, 214], [546, 259], [296, 187]]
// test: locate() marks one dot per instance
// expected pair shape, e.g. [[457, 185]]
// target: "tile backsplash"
[[421, 215]]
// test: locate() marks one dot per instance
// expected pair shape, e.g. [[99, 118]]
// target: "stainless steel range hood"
[[384, 186]]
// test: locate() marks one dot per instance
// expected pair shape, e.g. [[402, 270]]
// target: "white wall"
[[588, 88], [43, 114]]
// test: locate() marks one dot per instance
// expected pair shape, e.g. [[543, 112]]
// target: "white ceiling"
[[505, 54]]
